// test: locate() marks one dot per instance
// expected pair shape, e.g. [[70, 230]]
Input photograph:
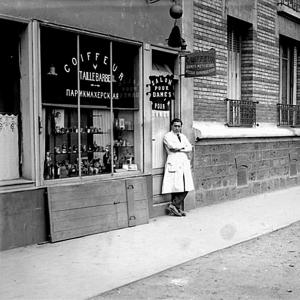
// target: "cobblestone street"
[[267, 267]]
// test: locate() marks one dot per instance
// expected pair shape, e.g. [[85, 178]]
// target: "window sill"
[[288, 12], [211, 130], [16, 184], [85, 179]]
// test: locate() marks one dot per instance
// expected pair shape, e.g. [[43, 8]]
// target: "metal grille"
[[241, 113], [288, 114], [293, 4]]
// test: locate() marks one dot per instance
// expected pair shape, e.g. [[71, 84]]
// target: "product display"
[[73, 150]]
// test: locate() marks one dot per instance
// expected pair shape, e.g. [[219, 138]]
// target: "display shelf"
[[65, 133], [73, 153], [87, 144], [129, 146]]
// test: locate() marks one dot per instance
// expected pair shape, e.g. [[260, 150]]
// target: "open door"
[[162, 65]]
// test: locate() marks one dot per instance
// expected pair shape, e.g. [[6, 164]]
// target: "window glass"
[[87, 132], [125, 86], [234, 63], [284, 81], [59, 67], [10, 108], [287, 62], [60, 103]]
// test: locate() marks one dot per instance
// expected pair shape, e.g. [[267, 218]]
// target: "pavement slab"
[[84, 267], [264, 268]]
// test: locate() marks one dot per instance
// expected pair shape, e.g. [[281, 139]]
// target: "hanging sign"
[[161, 91], [200, 63]]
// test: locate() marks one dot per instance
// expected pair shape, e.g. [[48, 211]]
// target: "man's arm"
[[171, 145], [187, 145]]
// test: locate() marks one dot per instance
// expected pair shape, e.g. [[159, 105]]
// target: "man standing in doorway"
[[177, 177]]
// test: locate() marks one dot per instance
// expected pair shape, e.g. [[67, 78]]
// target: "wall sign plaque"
[[200, 63]]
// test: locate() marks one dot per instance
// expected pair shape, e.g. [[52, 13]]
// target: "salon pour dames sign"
[[161, 91]]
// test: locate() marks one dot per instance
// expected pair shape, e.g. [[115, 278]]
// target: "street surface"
[[267, 267]]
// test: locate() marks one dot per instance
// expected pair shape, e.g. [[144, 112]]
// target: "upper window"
[[90, 95], [288, 106], [288, 71], [234, 46], [240, 112]]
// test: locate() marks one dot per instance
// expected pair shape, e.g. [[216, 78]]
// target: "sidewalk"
[[85, 267]]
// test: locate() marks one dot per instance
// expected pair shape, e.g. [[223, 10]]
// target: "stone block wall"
[[227, 169]]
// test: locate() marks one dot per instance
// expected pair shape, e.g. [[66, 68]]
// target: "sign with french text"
[[92, 77], [161, 91], [200, 63]]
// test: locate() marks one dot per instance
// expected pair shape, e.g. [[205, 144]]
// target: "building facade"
[[88, 88], [246, 117]]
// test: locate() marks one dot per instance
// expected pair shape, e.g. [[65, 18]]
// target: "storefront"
[[83, 113]]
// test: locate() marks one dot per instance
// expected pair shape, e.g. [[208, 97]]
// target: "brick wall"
[[260, 60], [266, 61], [259, 166], [210, 32]]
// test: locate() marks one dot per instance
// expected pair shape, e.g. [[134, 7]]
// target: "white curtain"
[[160, 126], [9, 148]]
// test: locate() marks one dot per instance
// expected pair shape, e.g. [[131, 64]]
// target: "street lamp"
[[175, 40]]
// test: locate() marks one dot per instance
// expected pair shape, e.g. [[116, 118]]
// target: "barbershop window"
[[90, 98], [10, 102]]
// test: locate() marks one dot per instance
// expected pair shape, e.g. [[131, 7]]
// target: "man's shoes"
[[183, 213], [174, 211]]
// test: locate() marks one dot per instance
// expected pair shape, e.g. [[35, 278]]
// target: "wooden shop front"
[[78, 210], [80, 132], [91, 115]]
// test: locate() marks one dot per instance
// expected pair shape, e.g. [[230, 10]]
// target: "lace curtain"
[[9, 147]]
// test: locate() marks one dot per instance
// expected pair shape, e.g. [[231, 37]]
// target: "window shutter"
[[234, 64]]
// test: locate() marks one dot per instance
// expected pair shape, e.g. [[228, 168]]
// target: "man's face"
[[176, 127]]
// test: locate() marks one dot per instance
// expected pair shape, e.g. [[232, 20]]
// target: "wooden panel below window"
[[138, 192], [83, 209], [78, 210], [22, 218]]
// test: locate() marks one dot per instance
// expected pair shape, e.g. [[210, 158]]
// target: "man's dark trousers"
[[178, 199]]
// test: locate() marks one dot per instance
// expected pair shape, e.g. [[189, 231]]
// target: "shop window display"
[[88, 132]]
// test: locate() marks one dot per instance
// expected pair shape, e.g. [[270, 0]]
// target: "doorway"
[[163, 65]]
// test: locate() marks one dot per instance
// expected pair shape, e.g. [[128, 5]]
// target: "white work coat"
[[177, 175]]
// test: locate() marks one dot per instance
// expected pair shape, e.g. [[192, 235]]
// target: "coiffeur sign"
[[200, 63], [161, 91]]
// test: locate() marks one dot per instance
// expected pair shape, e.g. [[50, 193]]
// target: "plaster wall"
[[131, 19]]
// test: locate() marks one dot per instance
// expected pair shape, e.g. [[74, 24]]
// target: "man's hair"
[[176, 120]]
